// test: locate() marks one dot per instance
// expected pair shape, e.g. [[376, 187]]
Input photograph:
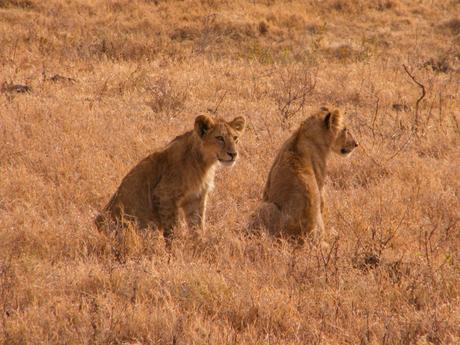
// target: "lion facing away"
[[292, 200], [177, 178]]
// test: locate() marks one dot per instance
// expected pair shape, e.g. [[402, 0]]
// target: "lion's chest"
[[202, 184]]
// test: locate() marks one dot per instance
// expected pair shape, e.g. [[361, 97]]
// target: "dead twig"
[[326, 259], [403, 146], [364, 149], [56, 77], [422, 87], [59, 78], [99, 94], [219, 102], [17, 88], [375, 118], [291, 91], [384, 242]]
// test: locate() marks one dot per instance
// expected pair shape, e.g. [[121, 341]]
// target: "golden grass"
[[143, 70]]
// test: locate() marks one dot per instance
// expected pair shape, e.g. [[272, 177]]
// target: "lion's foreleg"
[[169, 218], [195, 212], [329, 231], [312, 219]]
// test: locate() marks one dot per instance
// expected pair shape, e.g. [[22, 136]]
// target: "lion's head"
[[220, 138], [345, 143], [327, 129]]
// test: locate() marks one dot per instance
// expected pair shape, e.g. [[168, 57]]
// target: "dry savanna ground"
[[88, 88]]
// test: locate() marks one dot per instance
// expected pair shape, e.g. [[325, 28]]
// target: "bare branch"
[[292, 88], [219, 102], [420, 98], [375, 118], [403, 146]]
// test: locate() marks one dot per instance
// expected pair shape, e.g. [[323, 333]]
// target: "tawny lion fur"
[[176, 178], [293, 203]]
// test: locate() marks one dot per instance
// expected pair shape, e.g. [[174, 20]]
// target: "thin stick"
[[420, 98], [374, 119], [219, 102], [402, 147]]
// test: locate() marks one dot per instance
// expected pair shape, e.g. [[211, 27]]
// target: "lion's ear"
[[333, 120], [203, 124], [238, 123]]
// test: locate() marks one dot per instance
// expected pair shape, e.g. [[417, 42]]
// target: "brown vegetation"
[[140, 72]]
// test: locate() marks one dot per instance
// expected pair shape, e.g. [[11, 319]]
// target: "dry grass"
[[142, 70]]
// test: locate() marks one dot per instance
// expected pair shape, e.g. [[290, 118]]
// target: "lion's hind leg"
[[267, 216]]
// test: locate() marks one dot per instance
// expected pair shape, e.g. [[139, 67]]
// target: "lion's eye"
[[220, 138], [235, 139]]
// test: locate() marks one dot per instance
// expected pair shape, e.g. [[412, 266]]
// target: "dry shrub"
[[453, 25], [354, 7], [263, 28], [184, 33], [440, 64], [167, 97], [345, 53], [216, 31], [384, 5], [261, 54], [342, 5], [24, 4], [208, 35], [291, 90]]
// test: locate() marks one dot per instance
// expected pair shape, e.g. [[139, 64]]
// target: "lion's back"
[[132, 199]]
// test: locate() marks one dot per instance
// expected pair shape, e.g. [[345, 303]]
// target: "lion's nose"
[[232, 155]]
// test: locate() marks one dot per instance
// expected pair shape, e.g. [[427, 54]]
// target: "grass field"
[[104, 83]]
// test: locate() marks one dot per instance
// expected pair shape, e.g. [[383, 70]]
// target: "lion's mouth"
[[345, 151], [226, 162]]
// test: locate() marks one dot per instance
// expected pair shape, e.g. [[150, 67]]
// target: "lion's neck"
[[199, 161], [319, 163], [314, 155]]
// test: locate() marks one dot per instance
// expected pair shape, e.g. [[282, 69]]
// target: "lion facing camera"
[[177, 178]]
